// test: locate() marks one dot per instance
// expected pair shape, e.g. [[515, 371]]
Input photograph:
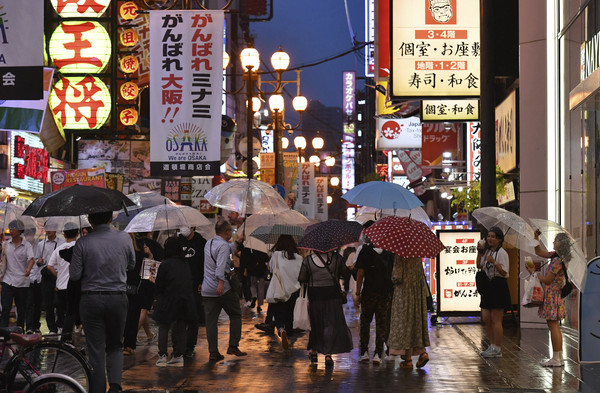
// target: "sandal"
[[313, 357], [423, 359], [407, 364], [328, 361]]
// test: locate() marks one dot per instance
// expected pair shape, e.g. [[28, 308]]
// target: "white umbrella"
[[367, 213], [247, 196], [142, 200], [577, 265], [287, 217], [161, 218], [10, 211]]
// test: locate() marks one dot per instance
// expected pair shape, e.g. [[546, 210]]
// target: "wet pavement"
[[455, 364]]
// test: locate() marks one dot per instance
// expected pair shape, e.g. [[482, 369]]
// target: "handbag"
[[301, 316], [232, 276], [343, 294], [276, 291], [568, 287], [534, 294], [429, 296]]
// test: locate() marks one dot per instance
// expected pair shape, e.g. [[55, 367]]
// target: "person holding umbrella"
[[554, 309], [493, 260]]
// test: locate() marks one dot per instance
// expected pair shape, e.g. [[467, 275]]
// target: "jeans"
[[378, 305], [103, 318], [191, 331], [49, 297], [177, 336], [19, 295], [230, 302]]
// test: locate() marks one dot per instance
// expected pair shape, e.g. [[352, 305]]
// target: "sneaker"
[[175, 361], [365, 358], [162, 361], [486, 352], [284, 341], [190, 353], [553, 363], [493, 353], [376, 360], [77, 328]]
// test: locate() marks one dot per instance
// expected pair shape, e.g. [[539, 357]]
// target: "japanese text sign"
[[450, 110], [80, 8], [29, 162], [473, 151], [349, 133], [200, 186], [435, 48], [456, 268], [321, 199], [306, 198], [506, 133], [186, 58], [438, 138], [80, 47]]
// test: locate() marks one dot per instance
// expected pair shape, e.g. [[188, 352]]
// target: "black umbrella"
[[77, 200], [330, 235]]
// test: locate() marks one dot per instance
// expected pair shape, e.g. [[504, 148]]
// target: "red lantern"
[[128, 37], [129, 91], [128, 116], [129, 64], [128, 10]]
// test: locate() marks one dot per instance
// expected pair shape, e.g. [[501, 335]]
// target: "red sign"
[[35, 161], [438, 138], [86, 177]]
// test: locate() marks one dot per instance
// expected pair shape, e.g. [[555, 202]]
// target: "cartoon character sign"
[[441, 12], [589, 315]]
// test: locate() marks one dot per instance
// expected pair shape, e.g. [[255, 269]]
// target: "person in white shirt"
[[15, 275], [59, 268], [42, 293]]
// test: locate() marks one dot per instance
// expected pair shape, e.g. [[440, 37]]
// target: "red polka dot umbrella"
[[404, 237]]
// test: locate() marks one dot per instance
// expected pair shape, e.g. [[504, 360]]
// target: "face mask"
[[185, 232]]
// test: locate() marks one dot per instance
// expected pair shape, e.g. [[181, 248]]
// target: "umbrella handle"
[[124, 209]]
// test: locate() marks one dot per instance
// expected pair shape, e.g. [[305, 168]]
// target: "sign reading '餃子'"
[[435, 48], [186, 67]]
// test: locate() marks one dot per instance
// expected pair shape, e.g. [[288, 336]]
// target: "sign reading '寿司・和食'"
[[435, 48]]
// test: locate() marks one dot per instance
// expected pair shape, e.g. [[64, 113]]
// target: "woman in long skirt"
[[329, 332]]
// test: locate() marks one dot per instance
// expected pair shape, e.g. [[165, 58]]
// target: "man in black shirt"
[[375, 278], [193, 246]]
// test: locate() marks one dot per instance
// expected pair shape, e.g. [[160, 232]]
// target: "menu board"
[[456, 267]]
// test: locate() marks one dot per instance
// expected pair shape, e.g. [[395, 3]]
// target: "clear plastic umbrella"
[[10, 211], [57, 223], [287, 217], [367, 213], [270, 234], [142, 200], [164, 217], [577, 265], [517, 232], [247, 196]]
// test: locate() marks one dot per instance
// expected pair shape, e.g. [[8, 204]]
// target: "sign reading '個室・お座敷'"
[[435, 48]]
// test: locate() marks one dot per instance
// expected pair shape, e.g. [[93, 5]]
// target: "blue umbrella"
[[382, 195], [330, 235]]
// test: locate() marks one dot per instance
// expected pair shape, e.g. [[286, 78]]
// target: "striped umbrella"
[[270, 234]]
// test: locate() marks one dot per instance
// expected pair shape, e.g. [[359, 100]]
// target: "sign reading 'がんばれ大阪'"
[[435, 48]]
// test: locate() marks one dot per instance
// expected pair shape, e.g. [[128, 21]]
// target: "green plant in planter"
[[469, 198]]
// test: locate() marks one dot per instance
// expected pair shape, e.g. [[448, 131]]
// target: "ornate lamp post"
[[250, 60]]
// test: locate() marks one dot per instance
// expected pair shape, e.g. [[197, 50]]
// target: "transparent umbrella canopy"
[[517, 231], [577, 265], [247, 196], [288, 217], [169, 217], [367, 213], [57, 223]]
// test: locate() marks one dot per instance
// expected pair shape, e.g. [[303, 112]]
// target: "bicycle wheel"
[[55, 357], [55, 383]]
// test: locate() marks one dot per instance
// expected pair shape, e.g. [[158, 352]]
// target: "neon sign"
[[80, 102], [30, 162], [80, 47], [80, 8]]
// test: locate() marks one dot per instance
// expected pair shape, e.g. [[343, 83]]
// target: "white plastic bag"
[[533, 292], [301, 317]]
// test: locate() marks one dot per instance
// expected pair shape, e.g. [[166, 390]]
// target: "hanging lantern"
[[129, 91], [80, 102], [128, 116], [80, 47], [128, 37], [129, 64], [73, 9], [128, 10]]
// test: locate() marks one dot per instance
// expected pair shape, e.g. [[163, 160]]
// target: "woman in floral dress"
[[553, 309], [408, 323]]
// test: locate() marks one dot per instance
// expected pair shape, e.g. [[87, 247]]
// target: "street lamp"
[[250, 59], [300, 144]]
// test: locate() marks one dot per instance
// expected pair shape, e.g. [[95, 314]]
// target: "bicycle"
[[35, 357]]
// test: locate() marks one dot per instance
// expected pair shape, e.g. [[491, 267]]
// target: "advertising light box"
[[456, 267], [398, 133]]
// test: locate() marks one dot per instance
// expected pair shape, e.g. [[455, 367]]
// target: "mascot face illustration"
[[441, 10]]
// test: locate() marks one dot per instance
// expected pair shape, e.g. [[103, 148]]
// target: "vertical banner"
[[307, 196], [321, 212], [456, 267], [349, 137], [290, 171], [506, 133], [473, 151], [267, 167], [186, 67]]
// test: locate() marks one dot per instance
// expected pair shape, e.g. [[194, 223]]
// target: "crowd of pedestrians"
[[96, 281]]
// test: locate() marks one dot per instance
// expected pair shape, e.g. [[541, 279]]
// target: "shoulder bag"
[[336, 282], [301, 316], [232, 276], [568, 287]]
